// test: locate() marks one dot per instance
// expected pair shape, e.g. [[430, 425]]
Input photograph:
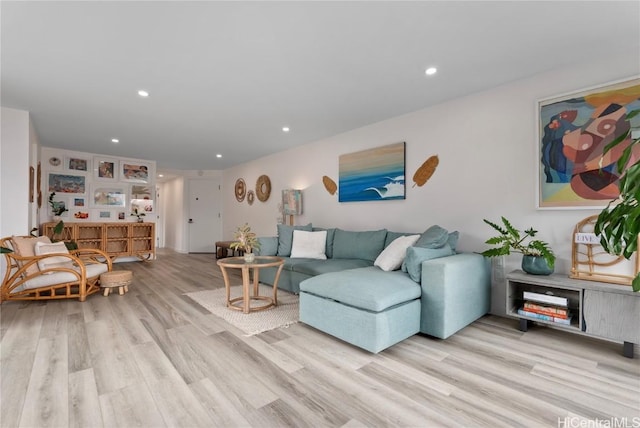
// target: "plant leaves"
[[425, 171]]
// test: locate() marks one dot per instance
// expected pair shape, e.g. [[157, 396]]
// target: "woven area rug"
[[285, 314]]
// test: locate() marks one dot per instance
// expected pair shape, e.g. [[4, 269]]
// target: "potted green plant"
[[246, 241], [138, 215], [537, 257], [57, 207], [619, 223]]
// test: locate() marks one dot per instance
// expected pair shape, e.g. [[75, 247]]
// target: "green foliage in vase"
[[57, 208], [619, 223], [511, 239]]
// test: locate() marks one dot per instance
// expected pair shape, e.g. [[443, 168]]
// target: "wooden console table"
[[600, 309], [115, 238]]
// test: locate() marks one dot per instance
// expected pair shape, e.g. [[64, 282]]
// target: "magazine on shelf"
[[564, 321], [545, 298]]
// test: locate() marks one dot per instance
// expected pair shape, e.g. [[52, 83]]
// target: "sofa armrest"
[[268, 246], [456, 291]]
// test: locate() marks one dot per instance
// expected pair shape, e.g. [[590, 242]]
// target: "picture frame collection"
[[99, 188]]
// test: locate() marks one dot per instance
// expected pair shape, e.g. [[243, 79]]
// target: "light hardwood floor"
[[155, 358]]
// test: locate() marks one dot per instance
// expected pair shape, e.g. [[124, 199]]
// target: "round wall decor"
[[240, 189], [251, 197], [263, 188], [54, 161]]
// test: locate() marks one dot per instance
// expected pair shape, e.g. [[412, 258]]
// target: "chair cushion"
[[358, 245], [285, 237], [24, 246], [93, 270], [367, 288], [42, 249], [391, 258], [310, 245]]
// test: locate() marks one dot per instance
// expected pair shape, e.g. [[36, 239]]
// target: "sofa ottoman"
[[366, 307]]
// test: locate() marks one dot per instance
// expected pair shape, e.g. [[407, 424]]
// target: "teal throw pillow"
[[453, 240], [415, 256], [358, 245], [285, 237], [433, 237]]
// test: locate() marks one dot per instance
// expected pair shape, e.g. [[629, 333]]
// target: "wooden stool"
[[116, 278]]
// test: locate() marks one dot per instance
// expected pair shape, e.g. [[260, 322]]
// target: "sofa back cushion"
[[358, 245], [392, 236], [330, 234], [285, 237]]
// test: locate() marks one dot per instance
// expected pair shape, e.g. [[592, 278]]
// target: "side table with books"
[[599, 309]]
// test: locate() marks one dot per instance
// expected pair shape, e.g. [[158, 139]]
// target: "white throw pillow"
[[391, 258], [42, 248], [310, 245]]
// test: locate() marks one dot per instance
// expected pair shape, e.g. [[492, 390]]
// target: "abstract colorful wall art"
[[372, 175], [573, 132]]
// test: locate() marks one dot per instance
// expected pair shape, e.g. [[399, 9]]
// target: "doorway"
[[205, 218]]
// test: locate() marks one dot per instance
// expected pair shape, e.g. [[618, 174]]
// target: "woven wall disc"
[[251, 197], [240, 189], [263, 188]]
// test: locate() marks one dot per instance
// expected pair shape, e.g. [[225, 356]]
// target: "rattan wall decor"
[[590, 261], [240, 189], [263, 188]]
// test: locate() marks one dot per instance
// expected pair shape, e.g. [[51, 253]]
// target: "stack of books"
[[546, 307]]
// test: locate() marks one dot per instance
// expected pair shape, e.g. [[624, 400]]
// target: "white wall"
[[173, 195], [487, 147], [15, 209]]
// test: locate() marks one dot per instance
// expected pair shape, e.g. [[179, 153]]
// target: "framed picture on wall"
[[108, 197], [135, 172], [573, 130], [80, 214], [78, 202], [142, 198], [105, 169], [66, 183], [77, 164]]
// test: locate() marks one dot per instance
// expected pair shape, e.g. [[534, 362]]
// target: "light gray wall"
[[15, 148], [487, 147]]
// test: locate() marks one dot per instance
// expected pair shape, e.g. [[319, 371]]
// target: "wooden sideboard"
[[115, 239]]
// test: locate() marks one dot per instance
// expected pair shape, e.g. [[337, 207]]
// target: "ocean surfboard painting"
[[373, 175]]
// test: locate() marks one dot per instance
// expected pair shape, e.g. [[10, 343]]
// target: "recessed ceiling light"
[[115, 140], [285, 129], [143, 93], [430, 71], [160, 175], [218, 155]]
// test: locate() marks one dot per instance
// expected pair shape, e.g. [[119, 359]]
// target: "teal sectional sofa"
[[436, 292]]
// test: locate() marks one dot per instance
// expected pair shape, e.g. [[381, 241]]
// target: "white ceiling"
[[225, 77]]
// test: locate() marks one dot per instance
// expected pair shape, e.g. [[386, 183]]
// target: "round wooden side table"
[[243, 303]]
